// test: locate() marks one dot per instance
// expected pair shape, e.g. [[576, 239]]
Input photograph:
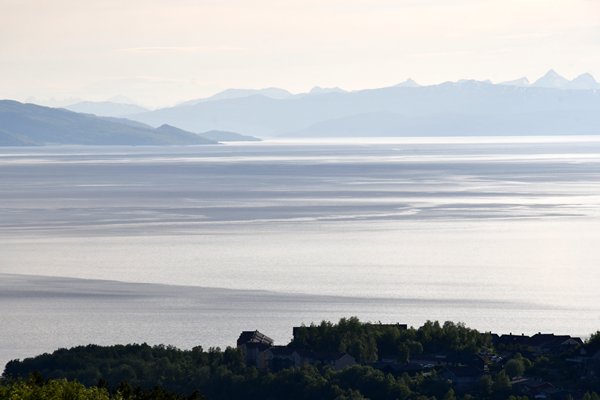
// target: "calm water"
[[501, 233]]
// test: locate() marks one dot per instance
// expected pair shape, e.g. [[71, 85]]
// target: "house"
[[252, 343], [540, 343], [545, 343], [511, 341], [260, 352]]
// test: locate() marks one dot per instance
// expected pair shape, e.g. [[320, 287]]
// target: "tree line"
[[141, 371]]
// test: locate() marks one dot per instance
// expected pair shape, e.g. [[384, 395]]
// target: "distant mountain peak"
[[553, 80], [408, 83], [166, 126], [586, 76], [584, 81], [552, 74], [229, 94]]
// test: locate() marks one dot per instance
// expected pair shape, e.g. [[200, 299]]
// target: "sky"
[[158, 52]]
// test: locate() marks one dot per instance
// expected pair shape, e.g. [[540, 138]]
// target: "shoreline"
[[42, 314]]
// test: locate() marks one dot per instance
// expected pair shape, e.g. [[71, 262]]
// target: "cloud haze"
[[189, 49]]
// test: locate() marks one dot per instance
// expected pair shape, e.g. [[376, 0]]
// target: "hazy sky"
[[161, 52]]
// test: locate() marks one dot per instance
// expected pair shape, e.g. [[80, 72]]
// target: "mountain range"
[[550, 105], [553, 80]]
